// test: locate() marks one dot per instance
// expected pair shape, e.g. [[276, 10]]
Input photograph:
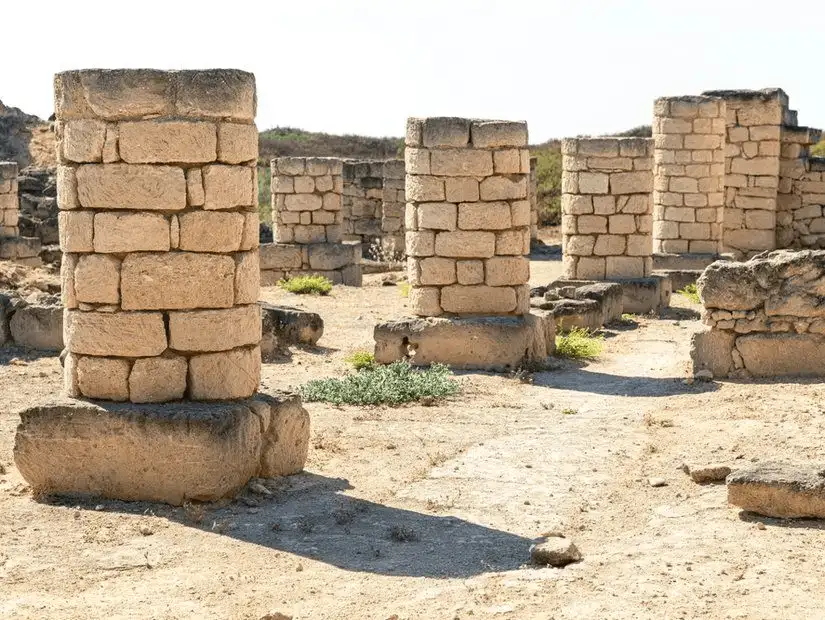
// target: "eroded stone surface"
[[780, 490]]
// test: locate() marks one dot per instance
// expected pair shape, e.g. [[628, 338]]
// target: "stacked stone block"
[[800, 221], [159, 229], [534, 204], [689, 174], [752, 156], [9, 209], [306, 199], [308, 218], [606, 208], [393, 205], [467, 216], [363, 197]]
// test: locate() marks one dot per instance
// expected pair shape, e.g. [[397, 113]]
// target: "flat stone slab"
[[169, 452], [282, 326], [472, 343], [779, 490], [643, 295]]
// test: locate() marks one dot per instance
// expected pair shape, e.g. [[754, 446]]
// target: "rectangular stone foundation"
[[473, 343], [583, 304], [639, 295], [340, 262], [161, 452]]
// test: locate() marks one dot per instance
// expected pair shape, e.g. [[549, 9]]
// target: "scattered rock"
[[703, 375], [282, 327], [779, 490], [657, 482], [554, 550], [707, 473], [260, 489], [146, 530]]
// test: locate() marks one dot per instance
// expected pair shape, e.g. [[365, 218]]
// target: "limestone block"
[[110, 150], [639, 245], [176, 281], [508, 161], [506, 270], [609, 245], [425, 301], [424, 188], [36, 326], [783, 354], [130, 186], [76, 230], [491, 134], [237, 143], [437, 271], [174, 232], [303, 185], [216, 93], [461, 189], [329, 257], [779, 490], [303, 202], [228, 187], [158, 379], [332, 201], [167, 141], [310, 234], [465, 244], [115, 94], [215, 330], [470, 271], [574, 204], [280, 257], [210, 232], [520, 213], [442, 131], [247, 278], [437, 215], [461, 162], [712, 349], [282, 184], [67, 266], [97, 279], [624, 267], [251, 231], [83, 140], [194, 187], [131, 232], [503, 188], [483, 216], [225, 375], [630, 182], [417, 161], [510, 242], [125, 334], [66, 188], [103, 377], [420, 243], [461, 299]]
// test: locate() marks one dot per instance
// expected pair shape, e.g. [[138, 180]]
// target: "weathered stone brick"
[[131, 186], [215, 330], [210, 232], [437, 271], [465, 244], [470, 271], [461, 162], [459, 299], [126, 334], [167, 141], [131, 232], [506, 270], [503, 188], [76, 230], [425, 301], [228, 187], [237, 143], [83, 140], [247, 277], [103, 377], [158, 379], [225, 375], [484, 216], [489, 134], [97, 279]]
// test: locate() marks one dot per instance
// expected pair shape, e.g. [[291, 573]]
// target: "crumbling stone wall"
[[606, 208], [467, 216], [801, 194], [363, 195], [308, 223], [689, 174], [393, 204], [766, 316], [159, 229], [532, 187], [9, 209]]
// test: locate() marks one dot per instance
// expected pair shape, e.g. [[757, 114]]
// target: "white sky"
[[363, 66]]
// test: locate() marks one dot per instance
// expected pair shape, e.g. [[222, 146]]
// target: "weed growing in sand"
[[691, 292], [579, 344], [361, 360], [392, 384], [307, 285], [404, 289]]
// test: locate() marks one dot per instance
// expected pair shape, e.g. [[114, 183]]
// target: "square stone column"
[[9, 205], [159, 228], [363, 196], [468, 216], [393, 205]]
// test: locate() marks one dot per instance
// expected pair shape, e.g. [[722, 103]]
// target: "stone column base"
[[639, 295], [168, 452], [340, 262], [470, 343]]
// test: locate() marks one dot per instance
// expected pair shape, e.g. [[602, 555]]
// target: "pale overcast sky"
[[363, 66]]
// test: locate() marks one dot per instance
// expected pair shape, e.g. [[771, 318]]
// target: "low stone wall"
[[340, 262], [306, 199], [765, 317], [393, 204], [9, 209], [363, 194]]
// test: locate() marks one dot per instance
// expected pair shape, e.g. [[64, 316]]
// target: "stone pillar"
[[689, 175], [159, 232], [752, 161], [9, 207], [467, 217], [308, 217], [393, 205], [534, 205], [800, 221], [363, 194], [606, 208]]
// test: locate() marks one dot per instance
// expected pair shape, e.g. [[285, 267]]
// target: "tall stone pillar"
[[393, 205], [159, 232], [688, 175], [9, 205], [468, 234]]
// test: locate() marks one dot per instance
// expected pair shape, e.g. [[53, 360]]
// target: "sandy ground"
[[429, 512]]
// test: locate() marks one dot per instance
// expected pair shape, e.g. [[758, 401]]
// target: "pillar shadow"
[[9, 354], [307, 516], [584, 380]]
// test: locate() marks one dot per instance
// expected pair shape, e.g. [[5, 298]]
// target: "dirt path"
[[428, 512]]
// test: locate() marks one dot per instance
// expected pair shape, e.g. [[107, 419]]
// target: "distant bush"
[[818, 149], [264, 199], [307, 285], [361, 360], [287, 141], [392, 384], [548, 178], [579, 344], [691, 292], [642, 131]]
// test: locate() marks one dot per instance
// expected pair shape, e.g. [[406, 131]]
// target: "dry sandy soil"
[[429, 512]]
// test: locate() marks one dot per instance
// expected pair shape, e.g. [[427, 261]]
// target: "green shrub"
[[392, 384], [361, 360], [691, 292], [579, 344], [548, 182], [307, 285], [404, 289], [264, 199], [818, 149]]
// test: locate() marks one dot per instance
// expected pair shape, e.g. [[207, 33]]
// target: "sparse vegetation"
[[361, 360], [691, 292], [264, 199], [548, 181], [404, 289], [392, 384], [818, 149], [580, 344], [307, 285], [569, 411], [286, 141]]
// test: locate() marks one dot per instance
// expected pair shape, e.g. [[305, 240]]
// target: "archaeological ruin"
[[13, 246], [160, 281]]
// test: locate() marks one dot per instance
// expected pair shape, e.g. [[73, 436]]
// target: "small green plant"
[[404, 289], [361, 360], [691, 292], [392, 384], [629, 318], [569, 411], [307, 285], [580, 344]]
